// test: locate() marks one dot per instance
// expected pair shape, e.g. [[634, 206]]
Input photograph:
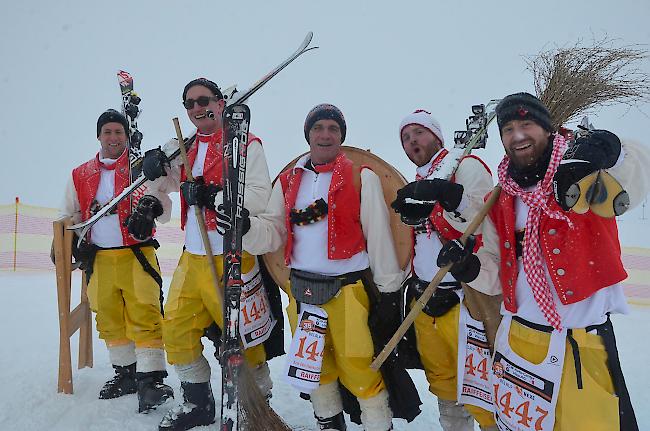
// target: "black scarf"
[[530, 175]]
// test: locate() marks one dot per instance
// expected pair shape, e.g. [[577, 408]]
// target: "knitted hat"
[[111, 116], [523, 106], [205, 82], [325, 111], [425, 119]]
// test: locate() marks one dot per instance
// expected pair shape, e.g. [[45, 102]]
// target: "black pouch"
[[440, 303], [312, 288]]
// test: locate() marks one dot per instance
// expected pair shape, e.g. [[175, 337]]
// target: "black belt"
[[574, 344]]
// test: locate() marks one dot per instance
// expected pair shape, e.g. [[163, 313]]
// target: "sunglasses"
[[202, 101]]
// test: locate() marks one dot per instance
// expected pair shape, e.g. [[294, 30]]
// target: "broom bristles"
[[256, 413], [572, 81]]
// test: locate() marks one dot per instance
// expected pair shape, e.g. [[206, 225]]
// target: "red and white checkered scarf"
[[536, 200]]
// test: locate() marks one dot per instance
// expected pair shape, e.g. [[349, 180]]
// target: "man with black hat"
[[556, 364], [124, 286], [458, 199], [332, 220], [192, 304]]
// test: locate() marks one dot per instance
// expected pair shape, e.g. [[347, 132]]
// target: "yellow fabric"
[[126, 298], [592, 408], [192, 305], [348, 344], [437, 343]]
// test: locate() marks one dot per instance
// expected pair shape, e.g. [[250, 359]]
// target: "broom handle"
[[199, 213], [431, 288]]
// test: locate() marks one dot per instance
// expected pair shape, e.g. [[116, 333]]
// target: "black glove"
[[224, 222], [199, 193], [447, 193], [141, 221], [600, 149], [83, 252], [154, 163], [466, 265], [413, 214]]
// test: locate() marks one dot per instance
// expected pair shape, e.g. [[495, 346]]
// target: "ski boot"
[[123, 383], [197, 409], [334, 423], [152, 392]]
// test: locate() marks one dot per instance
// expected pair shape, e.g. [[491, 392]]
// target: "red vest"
[[580, 261], [86, 181], [212, 173], [345, 236]]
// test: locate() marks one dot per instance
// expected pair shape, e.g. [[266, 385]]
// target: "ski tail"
[[236, 120], [239, 98], [131, 110]]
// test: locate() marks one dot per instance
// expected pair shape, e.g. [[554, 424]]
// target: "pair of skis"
[[237, 98], [236, 120]]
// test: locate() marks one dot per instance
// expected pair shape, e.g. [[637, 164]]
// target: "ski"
[[236, 120], [235, 97], [474, 137], [131, 110]]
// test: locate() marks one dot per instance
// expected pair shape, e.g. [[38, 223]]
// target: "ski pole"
[[198, 212], [433, 285]]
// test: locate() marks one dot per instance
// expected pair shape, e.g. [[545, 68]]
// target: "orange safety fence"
[[26, 237]]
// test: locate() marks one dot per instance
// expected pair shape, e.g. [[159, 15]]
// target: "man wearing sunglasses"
[[192, 304], [124, 284]]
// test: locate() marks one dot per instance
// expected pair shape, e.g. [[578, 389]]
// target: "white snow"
[[28, 371]]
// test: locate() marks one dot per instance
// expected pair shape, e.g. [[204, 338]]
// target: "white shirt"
[[310, 241]]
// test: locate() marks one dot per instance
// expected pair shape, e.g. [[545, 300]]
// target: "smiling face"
[[198, 114], [112, 138], [324, 141], [419, 144], [524, 142]]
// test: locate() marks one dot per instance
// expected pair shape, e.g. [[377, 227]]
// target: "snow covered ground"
[[28, 371]]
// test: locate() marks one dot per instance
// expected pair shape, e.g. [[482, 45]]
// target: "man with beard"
[[556, 365], [458, 199], [192, 304], [124, 287]]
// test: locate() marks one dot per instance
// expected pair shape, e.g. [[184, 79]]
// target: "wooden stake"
[[199, 213]]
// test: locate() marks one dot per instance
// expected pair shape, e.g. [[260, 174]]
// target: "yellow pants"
[[437, 343], [348, 344], [192, 305], [592, 408], [126, 298]]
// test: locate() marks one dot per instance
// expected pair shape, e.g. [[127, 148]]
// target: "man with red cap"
[[556, 364], [458, 197], [124, 283], [192, 304], [332, 220]]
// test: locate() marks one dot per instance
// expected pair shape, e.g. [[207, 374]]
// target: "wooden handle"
[[198, 212], [431, 288]]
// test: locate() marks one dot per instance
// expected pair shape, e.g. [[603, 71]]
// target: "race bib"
[[305, 358], [525, 394], [474, 362], [255, 319]]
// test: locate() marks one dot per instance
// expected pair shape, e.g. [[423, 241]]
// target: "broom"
[[256, 413]]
